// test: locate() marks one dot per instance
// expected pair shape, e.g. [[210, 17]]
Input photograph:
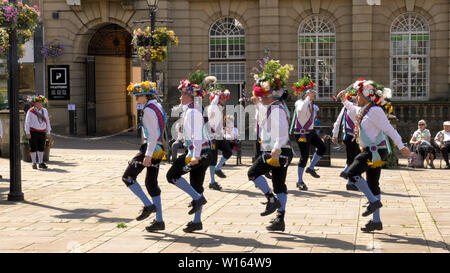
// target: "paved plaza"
[[77, 204]]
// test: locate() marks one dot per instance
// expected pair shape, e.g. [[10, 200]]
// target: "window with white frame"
[[317, 54], [227, 39], [227, 51], [410, 60]]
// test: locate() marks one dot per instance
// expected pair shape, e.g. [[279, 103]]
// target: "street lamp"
[[15, 187], [153, 7]]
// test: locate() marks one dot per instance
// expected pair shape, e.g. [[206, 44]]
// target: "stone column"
[[362, 39], [269, 27]]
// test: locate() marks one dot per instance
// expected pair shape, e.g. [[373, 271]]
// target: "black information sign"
[[58, 82]]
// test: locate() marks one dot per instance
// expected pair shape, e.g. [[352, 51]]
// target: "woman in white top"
[[422, 141], [442, 140]]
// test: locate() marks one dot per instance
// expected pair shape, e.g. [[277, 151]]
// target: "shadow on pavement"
[[81, 213], [340, 193], [398, 239], [318, 241], [213, 240], [62, 163]]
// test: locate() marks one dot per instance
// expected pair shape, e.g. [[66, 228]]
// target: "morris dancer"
[[303, 123], [150, 153], [215, 121], [37, 128], [198, 156], [276, 152], [347, 119], [370, 129]]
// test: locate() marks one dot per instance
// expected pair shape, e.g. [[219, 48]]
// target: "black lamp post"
[[153, 7], [15, 187]]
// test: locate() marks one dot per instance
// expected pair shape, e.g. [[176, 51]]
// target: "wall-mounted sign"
[[58, 82]]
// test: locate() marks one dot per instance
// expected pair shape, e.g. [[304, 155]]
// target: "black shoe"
[[280, 214], [191, 226], [372, 207], [312, 172], [371, 226], [276, 225], [268, 175], [215, 186], [302, 186], [344, 175], [145, 212], [34, 166], [154, 226], [271, 206], [447, 167], [220, 174], [351, 187], [197, 204], [42, 166]]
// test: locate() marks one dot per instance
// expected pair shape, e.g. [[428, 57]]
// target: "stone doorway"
[[109, 109]]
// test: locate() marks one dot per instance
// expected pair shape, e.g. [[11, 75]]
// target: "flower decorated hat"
[[34, 99], [272, 80], [142, 88], [197, 84], [374, 92], [303, 85], [219, 90]]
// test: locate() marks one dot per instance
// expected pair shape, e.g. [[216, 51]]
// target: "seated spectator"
[[422, 141], [442, 140]]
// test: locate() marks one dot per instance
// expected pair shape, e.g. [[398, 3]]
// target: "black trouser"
[[196, 174], [224, 146], [259, 168], [444, 150], [351, 149], [425, 149], [134, 169], [359, 166], [37, 141], [311, 139], [257, 149]]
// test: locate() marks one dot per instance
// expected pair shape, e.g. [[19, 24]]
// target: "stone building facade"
[[403, 44]]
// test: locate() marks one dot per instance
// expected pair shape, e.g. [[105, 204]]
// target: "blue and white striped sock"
[[261, 183], [346, 168], [376, 215], [364, 188], [314, 161], [282, 197], [198, 215], [212, 174], [187, 188], [300, 171], [157, 201], [221, 162], [137, 190]]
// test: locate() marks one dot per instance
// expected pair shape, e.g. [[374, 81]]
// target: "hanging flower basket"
[[22, 18], [148, 53], [53, 49]]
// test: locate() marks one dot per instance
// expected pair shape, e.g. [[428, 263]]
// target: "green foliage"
[[122, 225], [197, 77]]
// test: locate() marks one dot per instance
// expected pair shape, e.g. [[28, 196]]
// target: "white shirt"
[[373, 123], [275, 131], [193, 127], [215, 118], [150, 122], [446, 136], [304, 109], [31, 121], [339, 121]]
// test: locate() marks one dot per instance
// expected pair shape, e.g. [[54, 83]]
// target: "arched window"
[[227, 51], [317, 54], [410, 60]]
